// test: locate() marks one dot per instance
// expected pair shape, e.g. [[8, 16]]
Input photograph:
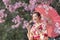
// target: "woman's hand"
[[28, 26], [46, 38], [30, 36]]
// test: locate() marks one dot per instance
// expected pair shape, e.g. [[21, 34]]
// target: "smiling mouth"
[[35, 19]]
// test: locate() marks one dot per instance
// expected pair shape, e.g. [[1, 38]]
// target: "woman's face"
[[35, 18]]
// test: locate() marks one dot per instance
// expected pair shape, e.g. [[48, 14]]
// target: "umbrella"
[[49, 12]]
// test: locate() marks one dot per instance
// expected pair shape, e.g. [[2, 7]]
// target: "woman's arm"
[[30, 35]]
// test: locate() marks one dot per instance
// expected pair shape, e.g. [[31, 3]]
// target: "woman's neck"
[[39, 21]]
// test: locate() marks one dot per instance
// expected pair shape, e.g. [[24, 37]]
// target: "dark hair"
[[38, 14]]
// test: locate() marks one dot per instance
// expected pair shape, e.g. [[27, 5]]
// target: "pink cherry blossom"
[[11, 8], [17, 5], [23, 4], [18, 18], [24, 24], [14, 20], [2, 15], [5, 15], [15, 26], [31, 7], [6, 2], [17, 21], [33, 1], [26, 7], [22, 19], [47, 1], [2, 20]]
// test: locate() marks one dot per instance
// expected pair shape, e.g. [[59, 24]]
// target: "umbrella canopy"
[[50, 13], [47, 11], [57, 19]]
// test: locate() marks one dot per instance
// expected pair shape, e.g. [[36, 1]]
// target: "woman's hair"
[[38, 14]]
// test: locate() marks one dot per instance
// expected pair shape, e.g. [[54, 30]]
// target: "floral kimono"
[[39, 33]]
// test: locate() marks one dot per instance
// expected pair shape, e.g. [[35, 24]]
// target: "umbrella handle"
[[54, 38]]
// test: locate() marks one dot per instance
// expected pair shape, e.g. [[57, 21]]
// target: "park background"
[[14, 14]]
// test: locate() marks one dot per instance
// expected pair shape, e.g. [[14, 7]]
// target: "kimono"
[[38, 33]]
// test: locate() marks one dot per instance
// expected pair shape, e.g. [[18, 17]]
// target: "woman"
[[38, 30]]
